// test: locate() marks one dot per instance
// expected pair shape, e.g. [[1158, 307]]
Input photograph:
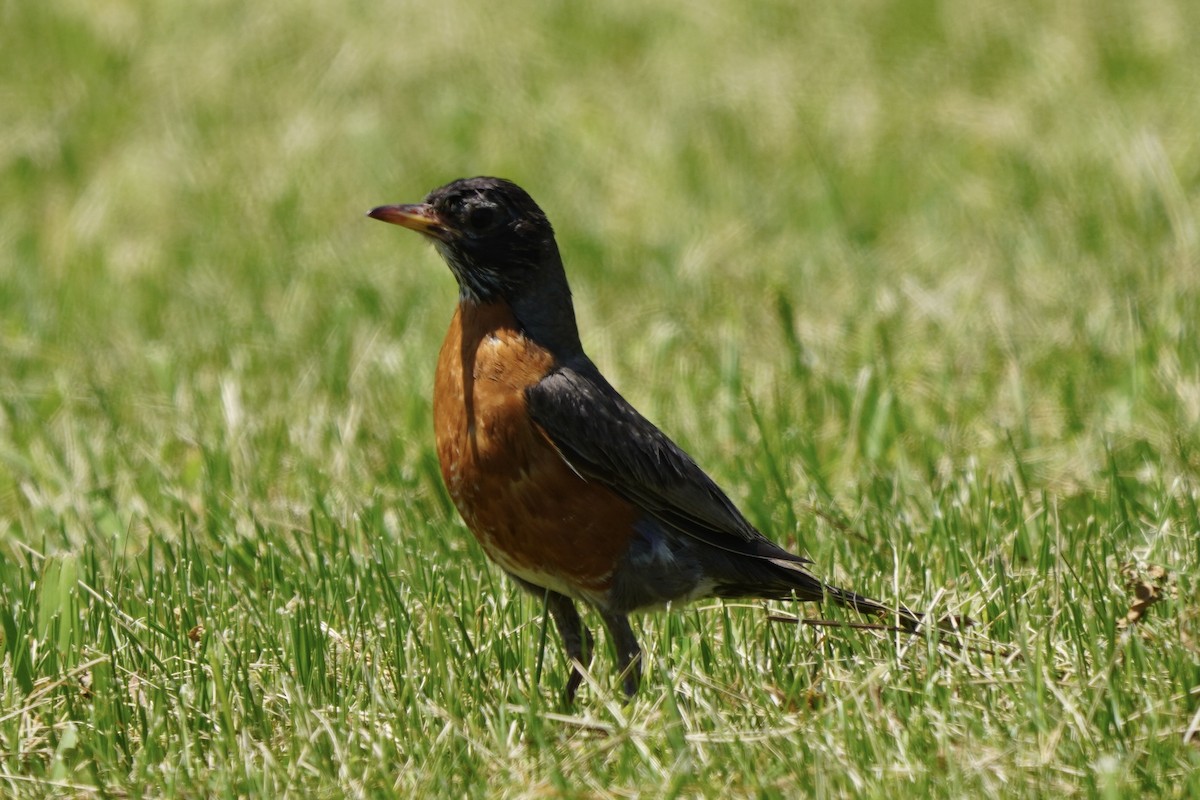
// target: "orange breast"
[[531, 513]]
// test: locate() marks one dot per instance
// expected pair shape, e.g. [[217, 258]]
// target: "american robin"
[[566, 486]]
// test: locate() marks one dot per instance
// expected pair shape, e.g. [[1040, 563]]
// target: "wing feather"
[[604, 438]]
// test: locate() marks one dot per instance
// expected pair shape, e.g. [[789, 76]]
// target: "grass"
[[917, 282]]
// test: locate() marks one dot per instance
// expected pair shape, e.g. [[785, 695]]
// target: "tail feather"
[[909, 620], [789, 580], [806, 586]]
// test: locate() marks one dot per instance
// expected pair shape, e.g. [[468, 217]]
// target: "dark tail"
[[908, 620], [784, 579]]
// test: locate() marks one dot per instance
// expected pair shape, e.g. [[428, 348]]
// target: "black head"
[[495, 239], [500, 247]]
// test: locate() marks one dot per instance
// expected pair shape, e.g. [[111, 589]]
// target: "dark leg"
[[577, 640], [629, 655]]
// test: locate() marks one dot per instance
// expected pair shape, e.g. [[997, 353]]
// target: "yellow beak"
[[418, 217]]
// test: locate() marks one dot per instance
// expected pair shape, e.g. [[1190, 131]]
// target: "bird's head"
[[496, 240]]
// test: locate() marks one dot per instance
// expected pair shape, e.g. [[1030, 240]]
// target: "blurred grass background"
[[917, 281]]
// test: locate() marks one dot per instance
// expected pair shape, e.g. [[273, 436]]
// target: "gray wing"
[[603, 438]]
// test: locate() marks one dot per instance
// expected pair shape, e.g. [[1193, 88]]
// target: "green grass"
[[918, 282]]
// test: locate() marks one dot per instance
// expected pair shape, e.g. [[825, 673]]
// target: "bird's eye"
[[480, 218]]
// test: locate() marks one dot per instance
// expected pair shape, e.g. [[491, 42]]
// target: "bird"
[[565, 485]]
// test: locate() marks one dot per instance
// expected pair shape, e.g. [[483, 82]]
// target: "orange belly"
[[533, 515]]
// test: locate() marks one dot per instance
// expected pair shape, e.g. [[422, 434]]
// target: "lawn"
[[917, 282]]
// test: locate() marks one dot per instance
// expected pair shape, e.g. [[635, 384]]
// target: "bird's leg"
[[629, 655], [577, 639]]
